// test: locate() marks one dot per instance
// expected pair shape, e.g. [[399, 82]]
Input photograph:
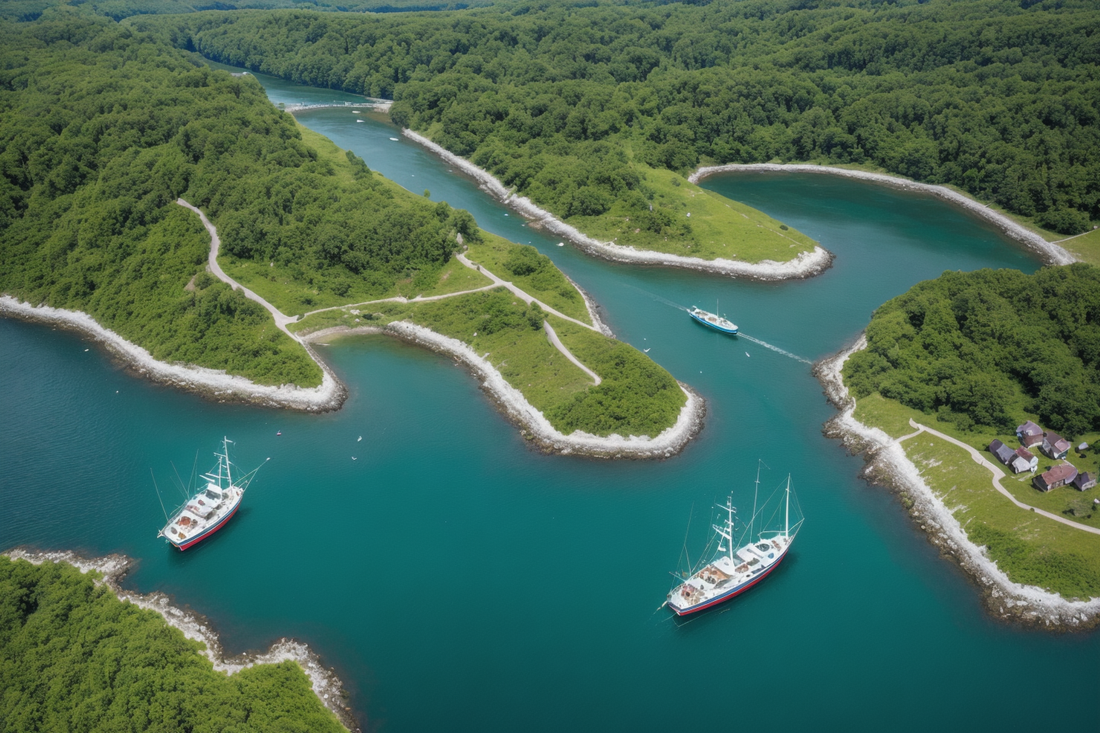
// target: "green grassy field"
[[1032, 549], [636, 397], [547, 283], [1086, 247], [719, 227]]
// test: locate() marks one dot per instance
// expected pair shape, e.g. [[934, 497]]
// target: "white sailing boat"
[[733, 570], [211, 507]]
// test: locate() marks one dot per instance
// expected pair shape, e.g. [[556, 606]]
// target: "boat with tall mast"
[[733, 570], [211, 507], [713, 320]]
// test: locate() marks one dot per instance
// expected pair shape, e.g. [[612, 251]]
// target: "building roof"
[[1029, 428], [1061, 472], [1056, 441], [1084, 478], [1024, 453], [1002, 451]]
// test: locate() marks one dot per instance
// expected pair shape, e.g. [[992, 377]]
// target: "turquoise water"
[[459, 580]]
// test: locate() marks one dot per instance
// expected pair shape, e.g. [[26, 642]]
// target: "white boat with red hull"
[[211, 507], [733, 570]]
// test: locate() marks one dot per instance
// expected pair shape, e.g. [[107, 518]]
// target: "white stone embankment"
[[805, 265], [213, 383], [887, 464], [1051, 253], [326, 685], [533, 423]]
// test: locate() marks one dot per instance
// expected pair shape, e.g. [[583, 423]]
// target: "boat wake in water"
[[776, 349]]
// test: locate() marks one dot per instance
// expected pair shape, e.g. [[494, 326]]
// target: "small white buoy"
[[561, 244], [116, 391], [506, 213]]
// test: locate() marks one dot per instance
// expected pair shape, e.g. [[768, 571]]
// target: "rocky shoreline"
[[221, 387], [805, 265], [326, 685], [887, 465], [214, 384], [532, 423], [1051, 253]]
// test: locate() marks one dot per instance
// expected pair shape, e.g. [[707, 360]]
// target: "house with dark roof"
[[1084, 480], [1055, 446], [1029, 434], [1023, 460], [1058, 476], [1003, 452]]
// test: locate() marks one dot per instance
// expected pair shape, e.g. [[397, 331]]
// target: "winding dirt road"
[[281, 319]]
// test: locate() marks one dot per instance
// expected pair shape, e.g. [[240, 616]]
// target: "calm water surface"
[[458, 580]]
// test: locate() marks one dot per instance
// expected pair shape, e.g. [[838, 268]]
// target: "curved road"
[[282, 319], [998, 474], [553, 336], [215, 244]]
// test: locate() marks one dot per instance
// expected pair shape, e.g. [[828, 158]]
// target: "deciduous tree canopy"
[[73, 657], [987, 347], [997, 97]]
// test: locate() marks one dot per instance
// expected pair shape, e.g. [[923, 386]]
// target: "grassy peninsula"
[[973, 355], [75, 657]]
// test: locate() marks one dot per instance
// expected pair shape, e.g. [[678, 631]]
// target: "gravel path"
[[553, 336], [215, 244]]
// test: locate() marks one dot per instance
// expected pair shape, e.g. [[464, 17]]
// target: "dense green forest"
[[73, 657], [27, 10], [102, 128], [563, 100], [989, 348]]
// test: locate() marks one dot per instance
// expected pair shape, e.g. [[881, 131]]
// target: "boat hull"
[[736, 591], [182, 545], [713, 326]]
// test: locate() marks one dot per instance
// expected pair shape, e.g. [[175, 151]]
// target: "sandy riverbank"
[[888, 465], [805, 265], [533, 424], [1051, 253], [212, 383], [326, 685]]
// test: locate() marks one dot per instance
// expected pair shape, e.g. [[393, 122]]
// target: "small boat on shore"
[[211, 507], [733, 570], [713, 320]]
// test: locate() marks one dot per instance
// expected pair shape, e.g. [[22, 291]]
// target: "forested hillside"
[[989, 348], [73, 657], [102, 128], [26, 10], [567, 103]]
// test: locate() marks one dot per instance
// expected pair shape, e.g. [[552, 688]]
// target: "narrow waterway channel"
[[459, 580]]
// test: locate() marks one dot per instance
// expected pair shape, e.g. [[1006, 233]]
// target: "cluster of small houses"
[[1053, 445]]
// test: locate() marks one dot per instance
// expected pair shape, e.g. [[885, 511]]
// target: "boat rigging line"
[[158, 495]]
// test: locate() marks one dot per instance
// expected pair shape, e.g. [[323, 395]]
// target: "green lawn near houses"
[[1023, 544]]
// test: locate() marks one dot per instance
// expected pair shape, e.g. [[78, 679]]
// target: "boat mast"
[[787, 519], [755, 493], [225, 447]]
